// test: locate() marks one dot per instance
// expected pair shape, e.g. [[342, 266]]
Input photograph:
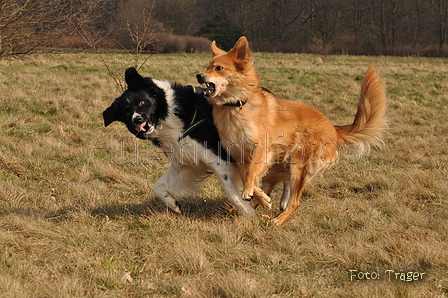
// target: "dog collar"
[[192, 126], [194, 123], [239, 103]]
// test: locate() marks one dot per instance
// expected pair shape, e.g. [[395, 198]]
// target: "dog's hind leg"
[[230, 180], [286, 194], [297, 182], [267, 189], [301, 174], [173, 182], [276, 174]]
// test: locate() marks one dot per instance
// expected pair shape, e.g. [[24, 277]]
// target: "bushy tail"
[[370, 120]]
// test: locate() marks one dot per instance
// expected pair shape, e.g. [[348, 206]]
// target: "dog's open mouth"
[[210, 89], [145, 127]]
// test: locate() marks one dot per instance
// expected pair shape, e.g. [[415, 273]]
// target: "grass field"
[[78, 217]]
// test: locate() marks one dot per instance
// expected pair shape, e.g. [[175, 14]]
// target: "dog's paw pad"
[[248, 198], [279, 220], [176, 208]]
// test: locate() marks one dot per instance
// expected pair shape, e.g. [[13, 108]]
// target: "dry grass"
[[75, 224]]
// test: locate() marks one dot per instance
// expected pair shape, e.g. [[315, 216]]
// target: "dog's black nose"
[[138, 119], [200, 78]]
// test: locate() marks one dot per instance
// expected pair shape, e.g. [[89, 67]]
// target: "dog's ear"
[[133, 78], [110, 114], [241, 49], [217, 51]]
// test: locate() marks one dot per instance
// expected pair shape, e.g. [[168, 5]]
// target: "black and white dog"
[[179, 120]]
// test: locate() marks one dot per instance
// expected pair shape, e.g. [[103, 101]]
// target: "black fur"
[[188, 101]]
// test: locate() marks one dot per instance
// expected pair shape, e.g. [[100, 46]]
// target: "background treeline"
[[372, 27]]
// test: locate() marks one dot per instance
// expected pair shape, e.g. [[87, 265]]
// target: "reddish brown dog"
[[260, 130]]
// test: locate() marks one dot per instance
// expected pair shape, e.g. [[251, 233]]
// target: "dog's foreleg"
[[257, 166], [260, 198]]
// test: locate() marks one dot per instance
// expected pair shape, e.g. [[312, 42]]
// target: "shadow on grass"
[[191, 207], [146, 208]]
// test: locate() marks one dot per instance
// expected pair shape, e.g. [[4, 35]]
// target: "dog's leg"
[[303, 170], [277, 173], [255, 169], [301, 173], [286, 194], [230, 180], [260, 198], [268, 187], [298, 180], [172, 183]]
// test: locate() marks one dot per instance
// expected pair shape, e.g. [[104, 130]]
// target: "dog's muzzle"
[[141, 124], [210, 87]]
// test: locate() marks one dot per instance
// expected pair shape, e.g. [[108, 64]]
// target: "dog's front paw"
[[247, 196], [260, 198]]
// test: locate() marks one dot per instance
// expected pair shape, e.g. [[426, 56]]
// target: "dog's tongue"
[[141, 127]]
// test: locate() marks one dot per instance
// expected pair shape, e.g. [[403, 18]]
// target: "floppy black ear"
[[133, 78], [110, 114]]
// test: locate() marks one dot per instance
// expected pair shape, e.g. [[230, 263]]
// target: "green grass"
[[79, 218]]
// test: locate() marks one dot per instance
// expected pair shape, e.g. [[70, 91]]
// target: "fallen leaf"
[[126, 276]]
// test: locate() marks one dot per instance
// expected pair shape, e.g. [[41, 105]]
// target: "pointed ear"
[[133, 78], [217, 51], [241, 49], [110, 114]]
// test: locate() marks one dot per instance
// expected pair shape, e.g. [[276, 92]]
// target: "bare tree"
[[355, 13], [28, 24], [185, 17], [25, 25], [138, 29], [324, 21], [439, 11], [142, 33], [137, 23], [373, 26], [284, 18], [88, 24]]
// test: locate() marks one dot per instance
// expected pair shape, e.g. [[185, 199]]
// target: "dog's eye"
[[141, 104], [218, 68]]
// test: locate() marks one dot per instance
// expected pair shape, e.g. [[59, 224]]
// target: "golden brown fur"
[[264, 130]]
